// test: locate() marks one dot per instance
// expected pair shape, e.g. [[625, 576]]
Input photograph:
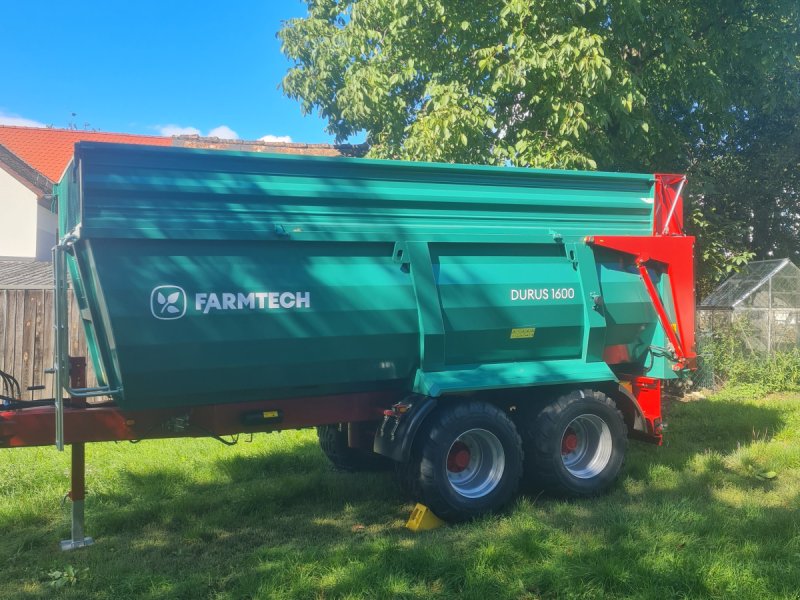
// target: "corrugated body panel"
[[157, 193]]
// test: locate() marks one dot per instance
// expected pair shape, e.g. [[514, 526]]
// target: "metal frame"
[[767, 278], [61, 367], [658, 305], [77, 495]]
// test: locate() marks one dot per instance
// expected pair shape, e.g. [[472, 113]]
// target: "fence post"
[[769, 321]]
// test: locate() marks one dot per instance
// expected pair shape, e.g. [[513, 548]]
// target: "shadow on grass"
[[686, 519], [282, 523], [709, 426], [254, 490]]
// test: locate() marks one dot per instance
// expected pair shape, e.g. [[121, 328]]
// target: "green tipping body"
[[210, 277]]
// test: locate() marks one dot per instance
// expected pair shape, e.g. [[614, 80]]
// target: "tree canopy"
[[711, 87]]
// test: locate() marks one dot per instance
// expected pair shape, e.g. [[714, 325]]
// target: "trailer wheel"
[[333, 441], [466, 461], [407, 475], [576, 445]]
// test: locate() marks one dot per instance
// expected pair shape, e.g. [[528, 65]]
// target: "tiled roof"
[[195, 141], [16, 166], [49, 150], [25, 274]]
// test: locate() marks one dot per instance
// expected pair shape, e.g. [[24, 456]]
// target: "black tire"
[[333, 441], [576, 445], [407, 474], [466, 461]]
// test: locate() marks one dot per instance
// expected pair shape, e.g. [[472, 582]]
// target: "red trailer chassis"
[[85, 422]]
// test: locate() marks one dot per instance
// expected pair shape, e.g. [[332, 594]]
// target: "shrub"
[[733, 363]]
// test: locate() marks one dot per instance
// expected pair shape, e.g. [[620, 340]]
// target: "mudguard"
[[395, 436]]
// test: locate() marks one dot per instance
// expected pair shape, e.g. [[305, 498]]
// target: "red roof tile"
[[50, 150]]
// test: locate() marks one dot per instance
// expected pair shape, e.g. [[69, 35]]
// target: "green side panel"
[[486, 291], [360, 328], [506, 375], [627, 306], [211, 277], [632, 320]]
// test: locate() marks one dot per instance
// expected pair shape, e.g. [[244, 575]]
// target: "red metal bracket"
[[668, 214], [677, 346], [675, 255], [647, 392]]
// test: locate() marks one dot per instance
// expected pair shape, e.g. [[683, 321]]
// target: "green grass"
[[698, 517]]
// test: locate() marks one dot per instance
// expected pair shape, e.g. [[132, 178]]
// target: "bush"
[[732, 363]]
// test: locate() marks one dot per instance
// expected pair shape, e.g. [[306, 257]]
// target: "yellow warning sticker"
[[269, 414], [522, 332]]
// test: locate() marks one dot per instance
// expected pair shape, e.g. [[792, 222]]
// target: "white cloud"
[[276, 138], [170, 130], [223, 132], [12, 119]]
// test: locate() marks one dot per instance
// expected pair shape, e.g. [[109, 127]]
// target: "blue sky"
[[151, 67]]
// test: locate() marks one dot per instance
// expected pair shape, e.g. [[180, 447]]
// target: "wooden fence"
[[27, 338]]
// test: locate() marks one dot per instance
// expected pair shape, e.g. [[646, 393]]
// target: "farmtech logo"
[[168, 302]]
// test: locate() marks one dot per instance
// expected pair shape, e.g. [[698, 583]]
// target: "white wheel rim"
[[586, 446], [475, 463]]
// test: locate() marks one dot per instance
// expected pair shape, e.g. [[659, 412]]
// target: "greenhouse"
[[760, 303]]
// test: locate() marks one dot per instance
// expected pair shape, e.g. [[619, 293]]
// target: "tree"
[[747, 196], [671, 85]]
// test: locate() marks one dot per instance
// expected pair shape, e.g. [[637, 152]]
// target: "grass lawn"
[[702, 516]]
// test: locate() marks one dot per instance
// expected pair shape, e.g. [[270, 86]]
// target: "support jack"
[[77, 495]]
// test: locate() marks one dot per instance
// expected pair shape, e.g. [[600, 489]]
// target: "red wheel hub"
[[458, 458], [569, 442]]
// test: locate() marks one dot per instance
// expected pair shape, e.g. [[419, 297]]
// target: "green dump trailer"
[[476, 326]]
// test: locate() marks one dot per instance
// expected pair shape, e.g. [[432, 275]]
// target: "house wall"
[[46, 227], [18, 218]]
